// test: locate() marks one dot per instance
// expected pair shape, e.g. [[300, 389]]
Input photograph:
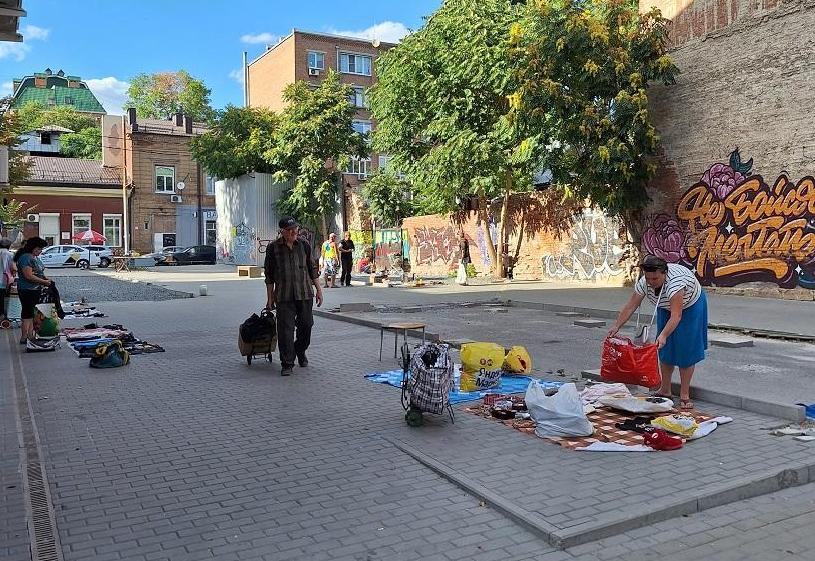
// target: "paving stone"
[[729, 340], [569, 314]]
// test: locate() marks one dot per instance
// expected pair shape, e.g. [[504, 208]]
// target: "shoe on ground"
[[302, 360], [287, 371]]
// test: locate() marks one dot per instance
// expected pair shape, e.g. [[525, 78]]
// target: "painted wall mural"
[[592, 251], [436, 244], [732, 227]]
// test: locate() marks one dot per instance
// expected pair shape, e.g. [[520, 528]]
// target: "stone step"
[[590, 323]]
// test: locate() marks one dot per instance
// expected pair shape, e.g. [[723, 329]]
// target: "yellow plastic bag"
[[682, 425], [480, 366], [518, 360]]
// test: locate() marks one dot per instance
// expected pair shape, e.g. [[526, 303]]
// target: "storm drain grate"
[[42, 527]]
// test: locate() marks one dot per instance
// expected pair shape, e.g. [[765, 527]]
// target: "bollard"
[[202, 290]]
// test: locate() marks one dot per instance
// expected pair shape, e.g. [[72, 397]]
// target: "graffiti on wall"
[[243, 247], [436, 244], [732, 227], [592, 252]]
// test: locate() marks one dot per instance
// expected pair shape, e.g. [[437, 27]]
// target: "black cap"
[[287, 222], [652, 263]]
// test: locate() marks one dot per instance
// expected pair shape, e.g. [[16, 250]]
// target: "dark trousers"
[[347, 265], [294, 315], [3, 295]]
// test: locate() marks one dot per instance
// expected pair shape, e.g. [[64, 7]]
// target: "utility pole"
[[125, 211], [245, 81]]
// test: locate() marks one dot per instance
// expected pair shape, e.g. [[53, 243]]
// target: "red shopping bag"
[[627, 363]]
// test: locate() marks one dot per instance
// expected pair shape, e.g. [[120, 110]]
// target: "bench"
[[251, 271]]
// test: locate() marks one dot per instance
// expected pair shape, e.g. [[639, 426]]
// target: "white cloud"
[[262, 38], [6, 89], [387, 31], [111, 93], [17, 51], [32, 32], [237, 75]]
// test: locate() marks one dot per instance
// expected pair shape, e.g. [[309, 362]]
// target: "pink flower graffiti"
[[722, 179], [665, 238]]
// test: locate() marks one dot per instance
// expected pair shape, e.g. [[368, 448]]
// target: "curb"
[[715, 495], [794, 413]]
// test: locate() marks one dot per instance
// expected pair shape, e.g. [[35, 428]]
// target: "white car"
[[165, 251], [70, 256], [103, 252]]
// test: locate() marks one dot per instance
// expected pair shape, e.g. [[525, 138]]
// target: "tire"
[[83, 264], [104, 263], [249, 360]]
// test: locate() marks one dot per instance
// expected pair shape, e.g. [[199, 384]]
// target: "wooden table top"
[[405, 325]]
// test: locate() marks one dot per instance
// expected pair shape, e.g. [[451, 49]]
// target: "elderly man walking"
[[292, 281]]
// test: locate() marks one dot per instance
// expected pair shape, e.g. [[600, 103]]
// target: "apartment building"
[[52, 89], [169, 199], [305, 55]]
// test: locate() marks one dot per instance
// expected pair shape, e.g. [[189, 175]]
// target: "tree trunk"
[[483, 217], [500, 269], [323, 227]]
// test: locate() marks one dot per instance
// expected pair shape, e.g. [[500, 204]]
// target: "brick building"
[[66, 196], [746, 71], [170, 201], [306, 56]]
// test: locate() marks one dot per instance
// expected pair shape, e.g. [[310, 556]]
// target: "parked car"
[[104, 253], [70, 256], [197, 254]]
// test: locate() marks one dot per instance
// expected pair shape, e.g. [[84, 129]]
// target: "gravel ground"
[[74, 284]]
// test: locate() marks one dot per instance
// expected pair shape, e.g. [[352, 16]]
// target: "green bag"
[[49, 328]]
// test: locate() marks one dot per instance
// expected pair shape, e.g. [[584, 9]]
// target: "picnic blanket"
[[508, 385], [603, 420]]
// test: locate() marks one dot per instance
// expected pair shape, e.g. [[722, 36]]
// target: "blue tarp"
[[810, 410], [509, 384]]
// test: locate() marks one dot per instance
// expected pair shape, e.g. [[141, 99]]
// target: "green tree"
[[162, 94], [388, 195], [236, 141], [584, 70], [10, 130], [442, 106], [315, 139], [86, 144]]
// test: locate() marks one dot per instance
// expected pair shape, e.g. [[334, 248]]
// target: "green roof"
[[81, 98]]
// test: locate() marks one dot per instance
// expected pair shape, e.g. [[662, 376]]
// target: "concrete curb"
[[794, 413], [709, 497]]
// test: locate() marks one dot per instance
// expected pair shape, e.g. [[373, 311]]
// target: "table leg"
[[423, 340], [395, 341], [381, 339]]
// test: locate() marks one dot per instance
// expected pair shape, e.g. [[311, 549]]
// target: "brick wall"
[[147, 151], [746, 82], [66, 207]]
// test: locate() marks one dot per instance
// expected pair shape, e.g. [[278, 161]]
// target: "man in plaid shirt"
[[291, 285]]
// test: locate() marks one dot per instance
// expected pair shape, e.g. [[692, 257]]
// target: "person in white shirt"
[[681, 320]]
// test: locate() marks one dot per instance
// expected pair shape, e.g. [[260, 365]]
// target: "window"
[[355, 64], [80, 223], [165, 179], [358, 98], [384, 161], [210, 233], [68, 100], [359, 167], [210, 185], [113, 229], [362, 127], [316, 60], [45, 138]]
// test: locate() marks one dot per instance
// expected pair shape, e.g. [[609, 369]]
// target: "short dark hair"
[[29, 246], [5, 243], [652, 264], [287, 222]]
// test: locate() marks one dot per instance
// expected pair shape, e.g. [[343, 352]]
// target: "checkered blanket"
[[603, 420]]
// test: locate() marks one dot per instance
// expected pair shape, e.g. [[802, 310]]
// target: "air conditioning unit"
[[313, 71], [32, 217], [175, 198]]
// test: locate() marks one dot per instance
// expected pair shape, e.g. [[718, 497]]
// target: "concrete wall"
[[738, 216]]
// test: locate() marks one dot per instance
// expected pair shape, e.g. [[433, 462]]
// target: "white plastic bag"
[[557, 415], [461, 276]]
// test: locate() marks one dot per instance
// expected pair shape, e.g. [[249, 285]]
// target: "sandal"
[[685, 405]]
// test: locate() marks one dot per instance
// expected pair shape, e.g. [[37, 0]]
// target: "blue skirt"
[[687, 344]]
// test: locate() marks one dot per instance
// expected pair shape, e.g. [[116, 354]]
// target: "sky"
[[107, 42]]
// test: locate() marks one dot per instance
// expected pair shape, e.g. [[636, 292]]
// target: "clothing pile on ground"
[[601, 418], [80, 310], [88, 340]]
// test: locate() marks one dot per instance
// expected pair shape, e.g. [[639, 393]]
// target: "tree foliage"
[[584, 70], [315, 139], [84, 142], [388, 195], [235, 142], [10, 130], [162, 94], [443, 113]]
